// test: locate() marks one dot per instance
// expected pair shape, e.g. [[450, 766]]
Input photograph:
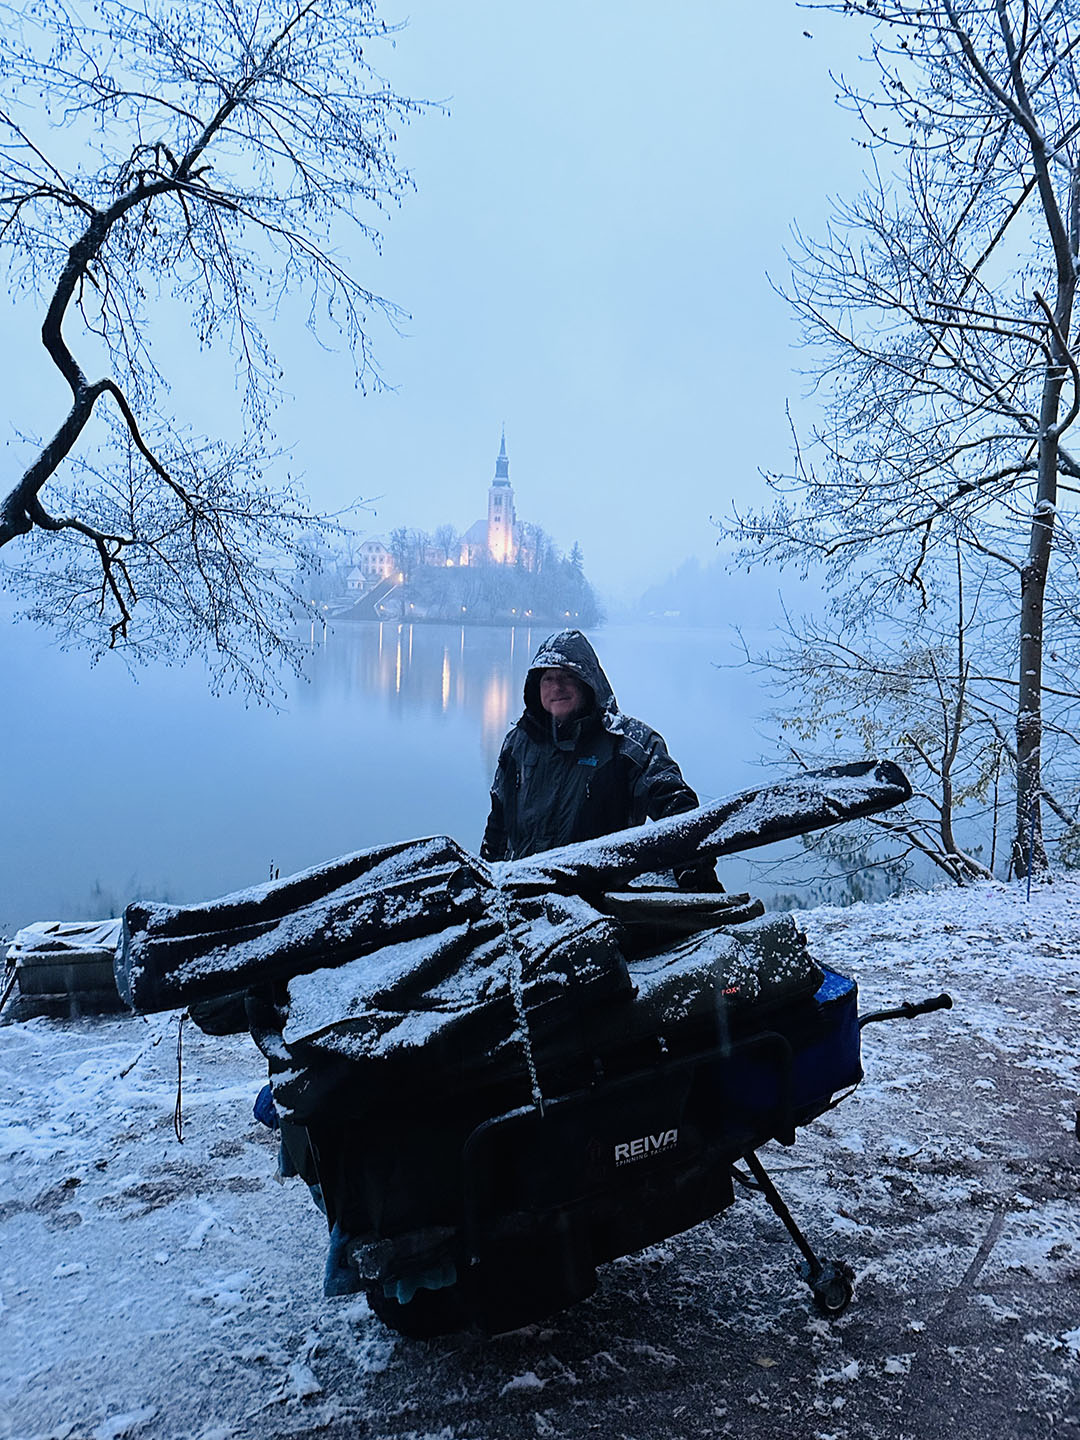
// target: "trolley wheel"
[[428, 1313], [833, 1287]]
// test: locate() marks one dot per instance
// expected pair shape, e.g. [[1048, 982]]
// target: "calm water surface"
[[116, 787]]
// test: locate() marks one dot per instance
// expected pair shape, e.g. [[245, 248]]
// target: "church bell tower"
[[501, 518]]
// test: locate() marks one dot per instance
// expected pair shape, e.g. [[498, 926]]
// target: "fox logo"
[[645, 1146]]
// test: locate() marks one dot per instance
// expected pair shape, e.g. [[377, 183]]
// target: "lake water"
[[118, 786]]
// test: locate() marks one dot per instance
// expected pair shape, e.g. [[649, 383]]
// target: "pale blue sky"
[[585, 258]]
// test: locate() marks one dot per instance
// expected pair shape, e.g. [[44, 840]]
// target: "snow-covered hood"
[[568, 650]]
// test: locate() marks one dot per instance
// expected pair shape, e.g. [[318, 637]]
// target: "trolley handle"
[[909, 1009]]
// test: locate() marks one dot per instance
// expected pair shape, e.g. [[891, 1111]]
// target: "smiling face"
[[562, 694]]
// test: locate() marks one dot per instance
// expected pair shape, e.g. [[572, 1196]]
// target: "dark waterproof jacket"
[[602, 771]]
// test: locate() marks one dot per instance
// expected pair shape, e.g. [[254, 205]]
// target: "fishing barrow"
[[496, 1077], [638, 1123]]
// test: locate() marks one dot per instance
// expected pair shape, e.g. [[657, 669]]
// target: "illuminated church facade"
[[499, 537]]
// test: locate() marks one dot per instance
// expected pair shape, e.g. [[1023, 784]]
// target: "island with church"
[[501, 570]]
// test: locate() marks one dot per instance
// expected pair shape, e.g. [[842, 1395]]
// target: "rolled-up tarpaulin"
[[174, 955], [778, 811]]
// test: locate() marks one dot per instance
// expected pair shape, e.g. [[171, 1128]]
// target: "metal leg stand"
[[832, 1281]]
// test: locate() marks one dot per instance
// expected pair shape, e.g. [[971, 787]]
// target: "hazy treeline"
[[542, 585]]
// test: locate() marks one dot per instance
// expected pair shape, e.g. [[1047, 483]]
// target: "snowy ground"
[[153, 1289]]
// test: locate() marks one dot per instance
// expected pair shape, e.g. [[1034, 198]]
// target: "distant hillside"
[[697, 594]]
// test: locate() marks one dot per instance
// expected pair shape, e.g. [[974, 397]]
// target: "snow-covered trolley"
[[495, 1077]]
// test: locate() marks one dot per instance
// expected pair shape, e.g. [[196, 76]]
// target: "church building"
[[498, 538]]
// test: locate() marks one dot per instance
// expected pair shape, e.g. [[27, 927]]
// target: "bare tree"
[[410, 548], [903, 685], [537, 551], [213, 153], [447, 542], [939, 315]]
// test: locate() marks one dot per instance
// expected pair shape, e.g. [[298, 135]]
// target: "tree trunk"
[[1029, 852]]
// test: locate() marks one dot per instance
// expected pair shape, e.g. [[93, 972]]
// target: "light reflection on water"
[[475, 671], [148, 786]]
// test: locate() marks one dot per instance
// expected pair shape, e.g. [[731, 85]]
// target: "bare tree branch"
[[937, 311], [226, 147]]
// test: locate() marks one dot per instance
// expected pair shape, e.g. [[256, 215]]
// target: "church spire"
[[502, 522], [502, 463]]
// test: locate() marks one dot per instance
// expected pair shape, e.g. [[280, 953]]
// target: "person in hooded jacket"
[[575, 767]]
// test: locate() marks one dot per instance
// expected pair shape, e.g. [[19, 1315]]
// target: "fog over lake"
[[119, 786]]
